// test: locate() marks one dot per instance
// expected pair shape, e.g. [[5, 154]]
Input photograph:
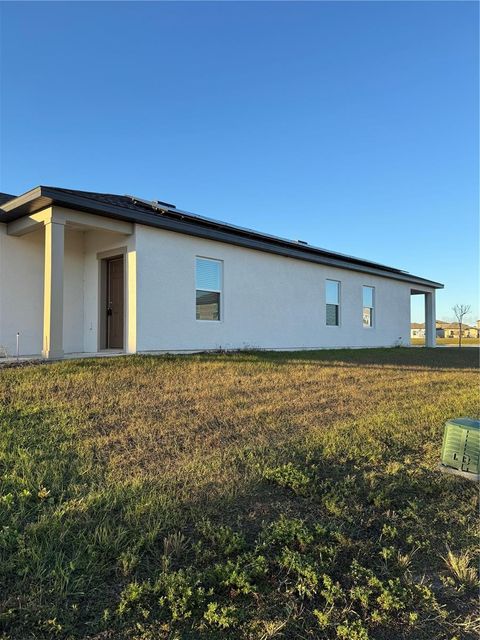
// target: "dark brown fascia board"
[[42, 197], [24, 205]]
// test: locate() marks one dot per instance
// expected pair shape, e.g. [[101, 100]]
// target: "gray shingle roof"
[[167, 216]]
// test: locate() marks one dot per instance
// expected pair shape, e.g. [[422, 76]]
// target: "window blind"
[[208, 274]]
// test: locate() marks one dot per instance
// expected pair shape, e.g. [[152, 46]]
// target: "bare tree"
[[460, 311]]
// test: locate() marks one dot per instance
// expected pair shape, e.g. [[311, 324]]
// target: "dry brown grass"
[[152, 444], [466, 342], [185, 418]]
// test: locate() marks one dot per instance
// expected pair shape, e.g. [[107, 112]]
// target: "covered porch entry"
[[87, 273], [430, 315]]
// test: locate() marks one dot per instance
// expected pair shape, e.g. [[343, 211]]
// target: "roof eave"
[[42, 197], [25, 204]]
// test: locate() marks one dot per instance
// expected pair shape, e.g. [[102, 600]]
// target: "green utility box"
[[461, 445]]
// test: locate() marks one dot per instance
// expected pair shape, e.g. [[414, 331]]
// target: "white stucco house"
[[84, 272]]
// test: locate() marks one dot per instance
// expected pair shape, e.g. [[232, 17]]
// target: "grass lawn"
[[466, 342], [242, 496]]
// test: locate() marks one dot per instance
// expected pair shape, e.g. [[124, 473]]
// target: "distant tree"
[[460, 311]]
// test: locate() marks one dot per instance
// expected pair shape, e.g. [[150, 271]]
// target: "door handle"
[[109, 311]]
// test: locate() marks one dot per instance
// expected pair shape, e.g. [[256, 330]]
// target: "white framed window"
[[208, 289], [332, 303], [368, 305]]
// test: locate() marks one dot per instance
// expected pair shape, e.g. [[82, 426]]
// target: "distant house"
[[441, 328], [417, 330], [95, 272], [452, 330], [471, 332], [440, 331]]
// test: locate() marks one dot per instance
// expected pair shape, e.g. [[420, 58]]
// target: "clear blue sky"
[[350, 125]]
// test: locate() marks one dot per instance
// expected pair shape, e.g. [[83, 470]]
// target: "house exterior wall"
[[268, 301], [21, 291]]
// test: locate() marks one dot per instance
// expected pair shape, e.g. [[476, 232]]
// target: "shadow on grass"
[[393, 358], [465, 358]]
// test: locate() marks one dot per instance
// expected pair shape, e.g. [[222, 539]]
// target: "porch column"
[[53, 290], [131, 257], [430, 320]]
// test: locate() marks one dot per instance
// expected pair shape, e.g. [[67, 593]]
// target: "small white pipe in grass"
[[18, 345]]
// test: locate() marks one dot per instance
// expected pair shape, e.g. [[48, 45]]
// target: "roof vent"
[[160, 203], [155, 204], [301, 242]]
